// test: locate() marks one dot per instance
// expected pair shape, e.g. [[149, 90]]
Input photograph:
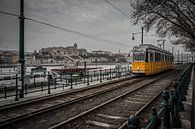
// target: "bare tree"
[[169, 17]]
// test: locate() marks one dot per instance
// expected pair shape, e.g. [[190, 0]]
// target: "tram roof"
[[150, 46]]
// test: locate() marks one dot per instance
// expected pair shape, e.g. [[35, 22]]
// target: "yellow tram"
[[149, 59]]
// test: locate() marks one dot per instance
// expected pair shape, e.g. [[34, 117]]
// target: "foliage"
[[169, 17]]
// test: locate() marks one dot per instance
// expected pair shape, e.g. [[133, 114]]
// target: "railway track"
[[38, 99], [145, 111], [113, 113], [12, 112], [47, 116]]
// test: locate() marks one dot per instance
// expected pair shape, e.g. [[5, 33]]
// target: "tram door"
[[151, 61]]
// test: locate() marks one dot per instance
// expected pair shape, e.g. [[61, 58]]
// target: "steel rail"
[[24, 102], [152, 100], [105, 103], [53, 107]]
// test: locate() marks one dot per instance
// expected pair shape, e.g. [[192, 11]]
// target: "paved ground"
[[193, 102], [188, 116]]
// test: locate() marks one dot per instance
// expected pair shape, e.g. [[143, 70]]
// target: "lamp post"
[[142, 35], [21, 40]]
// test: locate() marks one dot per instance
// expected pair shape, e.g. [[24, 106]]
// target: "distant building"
[[83, 52], [60, 51], [100, 52], [9, 57]]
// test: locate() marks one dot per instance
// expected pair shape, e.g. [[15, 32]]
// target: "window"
[[157, 56], [165, 57], [146, 59], [138, 56], [151, 56]]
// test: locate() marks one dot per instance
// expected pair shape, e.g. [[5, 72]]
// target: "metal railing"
[[47, 83]]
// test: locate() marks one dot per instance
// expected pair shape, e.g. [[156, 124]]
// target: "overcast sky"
[[93, 17]]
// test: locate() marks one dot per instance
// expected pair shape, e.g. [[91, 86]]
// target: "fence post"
[[84, 76], [180, 96], [103, 74], [66, 82], [5, 91], [110, 74], [55, 83], [118, 71], [49, 83], [16, 98], [133, 122], [183, 88], [154, 120], [71, 81], [87, 77], [76, 81], [100, 75], [97, 76], [91, 77], [42, 86], [34, 81], [25, 89], [166, 114], [175, 121]]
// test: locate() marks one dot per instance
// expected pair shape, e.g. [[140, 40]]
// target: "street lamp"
[[142, 38]]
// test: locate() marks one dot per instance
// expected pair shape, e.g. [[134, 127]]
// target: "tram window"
[[146, 59], [157, 56], [165, 57], [161, 57], [138, 56], [151, 57]]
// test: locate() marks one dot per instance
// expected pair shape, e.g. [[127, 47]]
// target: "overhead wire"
[[118, 9], [77, 33], [68, 30], [11, 14]]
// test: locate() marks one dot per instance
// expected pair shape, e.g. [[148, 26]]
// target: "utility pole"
[[182, 57], [21, 40], [178, 57], [142, 35]]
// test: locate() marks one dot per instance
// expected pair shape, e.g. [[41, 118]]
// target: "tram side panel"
[[149, 68]]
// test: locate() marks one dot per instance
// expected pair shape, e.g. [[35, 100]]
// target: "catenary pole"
[[21, 46]]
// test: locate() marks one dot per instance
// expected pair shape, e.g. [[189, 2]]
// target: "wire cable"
[[78, 33], [11, 14], [68, 30], [117, 9]]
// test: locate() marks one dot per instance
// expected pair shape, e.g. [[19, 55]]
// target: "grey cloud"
[[94, 17]]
